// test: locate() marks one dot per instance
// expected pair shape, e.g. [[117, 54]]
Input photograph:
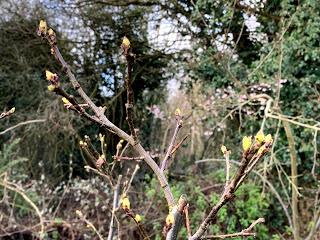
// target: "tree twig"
[[7, 113], [285, 118], [128, 80], [178, 218], [137, 167], [255, 151], [244, 233], [114, 206], [294, 178], [103, 121], [226, 154], [173, 139], [89, 224], [187, 220], [15, 188], [100, 173], [21, 124], [179, 144], [272, 188], [118, 158]]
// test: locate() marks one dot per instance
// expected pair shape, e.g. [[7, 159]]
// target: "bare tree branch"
[[103, 121], [173, 139], [255, 151], [114, 206], [244, 233], [7, 113], [21, 124], [128, 80]]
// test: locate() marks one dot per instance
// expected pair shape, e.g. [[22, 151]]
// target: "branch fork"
[[250, 157]]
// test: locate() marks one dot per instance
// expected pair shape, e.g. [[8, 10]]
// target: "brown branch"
[[244, 233], [89, 224], [21, 124], [114, 206], [118, 158], [176, 147], [177, 212], [179, 144], [142, 231], [85, 149], [70, 98], [73, 104], [226, 154], [171, 146], [294, 180], [128, 81], [103, 121], [100, 173], [187, 220], [91, 148], [128, 185], [7, 113], [257, 151], [97, 160]]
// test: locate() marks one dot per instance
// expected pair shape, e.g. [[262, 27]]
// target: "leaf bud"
[[170, 219], [65, 100], [51, 87], [246, 143], [79, 213], [224, 149], [125, 203], [42, 27], [260, 137], [138, 218], [12, 110], [125, 42]]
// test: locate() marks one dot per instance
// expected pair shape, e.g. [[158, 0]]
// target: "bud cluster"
[[7, 113], [125, 203], [260, 146], [53, 80], [49, 34], [119, 145], [101, 160]]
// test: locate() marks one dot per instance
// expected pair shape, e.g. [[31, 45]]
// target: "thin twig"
[[142, 231], [187, 220], [128, 80], [264, 180], [179, 144], [131, 179], [114, 206], [21, 124], [294, 177], [244, 233], [315, 163], [118, 158], [227, 157], [229, 191], [171, 146], [17, 189], [7, 113], [177, 212], [285, 118], [100, 173], [103, 121], [89, 224]]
